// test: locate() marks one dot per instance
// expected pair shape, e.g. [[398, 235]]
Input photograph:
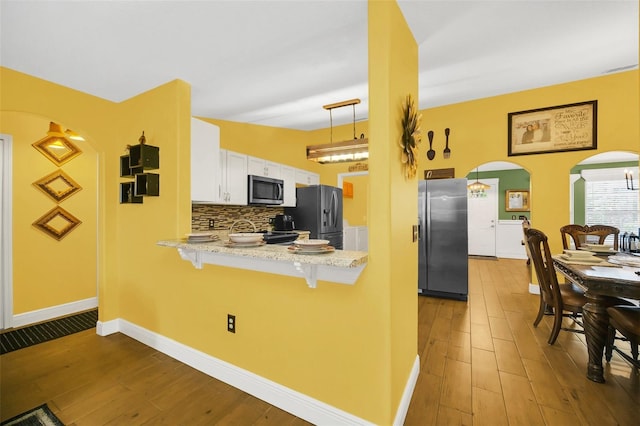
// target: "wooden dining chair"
[[566, 300], [526, 225], [585, 234], [575, 233], [597, 234], [626, 320]]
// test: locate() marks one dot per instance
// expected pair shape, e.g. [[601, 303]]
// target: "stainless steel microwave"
[[264, 190]]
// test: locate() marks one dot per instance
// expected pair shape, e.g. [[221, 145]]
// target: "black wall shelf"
[[141, 157], [147, 184], [127, 194]]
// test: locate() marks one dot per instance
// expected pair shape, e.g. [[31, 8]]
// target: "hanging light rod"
[[350, 150], [342, 104]]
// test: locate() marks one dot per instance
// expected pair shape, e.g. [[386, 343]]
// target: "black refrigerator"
[[319, 210], [443, 262]]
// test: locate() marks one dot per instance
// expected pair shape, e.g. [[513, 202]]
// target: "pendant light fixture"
[[74, 136], [477, 189], [57, 145], [356, 149]]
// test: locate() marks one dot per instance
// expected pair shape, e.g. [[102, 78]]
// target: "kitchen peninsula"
[[340, 266]]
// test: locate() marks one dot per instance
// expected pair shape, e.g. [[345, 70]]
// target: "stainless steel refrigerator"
[[319, 210], [443, 263]]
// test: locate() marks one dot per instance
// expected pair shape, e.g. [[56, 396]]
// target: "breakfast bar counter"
[[339, 266]]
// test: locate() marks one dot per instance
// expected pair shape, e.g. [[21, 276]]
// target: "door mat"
[[12, 340], [39, 416]]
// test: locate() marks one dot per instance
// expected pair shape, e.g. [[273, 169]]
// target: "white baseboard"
[[107, 328], [46, 314], [401, 414], [534, 289], [296, 403]]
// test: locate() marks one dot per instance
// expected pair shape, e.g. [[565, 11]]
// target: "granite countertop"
[[338, 258]]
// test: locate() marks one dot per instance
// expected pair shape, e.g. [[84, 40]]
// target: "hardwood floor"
[[482, 362]]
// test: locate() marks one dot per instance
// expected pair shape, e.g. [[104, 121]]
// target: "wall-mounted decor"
[[56, 146], [440, 173], [58, 185], [57, 223], [571, 127], [359, 167], [410, 137], [447, 151], [517, 200], [141, 157]]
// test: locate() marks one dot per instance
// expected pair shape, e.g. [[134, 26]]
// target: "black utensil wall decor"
[[431, 153], [447, 152]]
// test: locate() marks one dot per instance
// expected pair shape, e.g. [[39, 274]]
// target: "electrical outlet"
[[231, 323], [211, 223]]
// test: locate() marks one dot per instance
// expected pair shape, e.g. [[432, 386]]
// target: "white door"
[[6, 280], [482, 218]]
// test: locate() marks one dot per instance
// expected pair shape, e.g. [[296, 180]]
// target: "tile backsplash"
[[225, 216]]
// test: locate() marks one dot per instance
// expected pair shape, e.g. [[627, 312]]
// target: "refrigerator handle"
[[428, 223], [334, 209]]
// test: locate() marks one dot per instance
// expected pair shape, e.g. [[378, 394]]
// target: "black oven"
[[264, 190]]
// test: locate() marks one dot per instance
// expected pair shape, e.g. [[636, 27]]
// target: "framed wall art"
[[571, 127], [58, 185], [517, 200]]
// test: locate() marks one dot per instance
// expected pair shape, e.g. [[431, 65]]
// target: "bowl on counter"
[[246, 237]]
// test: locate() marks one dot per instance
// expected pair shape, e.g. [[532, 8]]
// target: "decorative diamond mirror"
[[56, 146], [58, 185], [57, 223]]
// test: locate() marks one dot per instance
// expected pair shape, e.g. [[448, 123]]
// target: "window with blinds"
[[609, 202]]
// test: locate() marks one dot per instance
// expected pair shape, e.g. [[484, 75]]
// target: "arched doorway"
[[495, 225], [53, 274], [604, 190]]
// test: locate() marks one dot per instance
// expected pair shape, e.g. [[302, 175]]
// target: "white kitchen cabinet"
[[288, 175], [233, 182], [205, 155], [260, 167], [306, 178]]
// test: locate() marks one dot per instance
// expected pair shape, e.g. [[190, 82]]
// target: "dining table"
[[600, 284]]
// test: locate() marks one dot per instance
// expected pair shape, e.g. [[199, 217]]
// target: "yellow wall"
[[479, 135], [355, 209], [393, 74], [48, 272]]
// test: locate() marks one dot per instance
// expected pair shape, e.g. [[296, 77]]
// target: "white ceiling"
[[276, 63]]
